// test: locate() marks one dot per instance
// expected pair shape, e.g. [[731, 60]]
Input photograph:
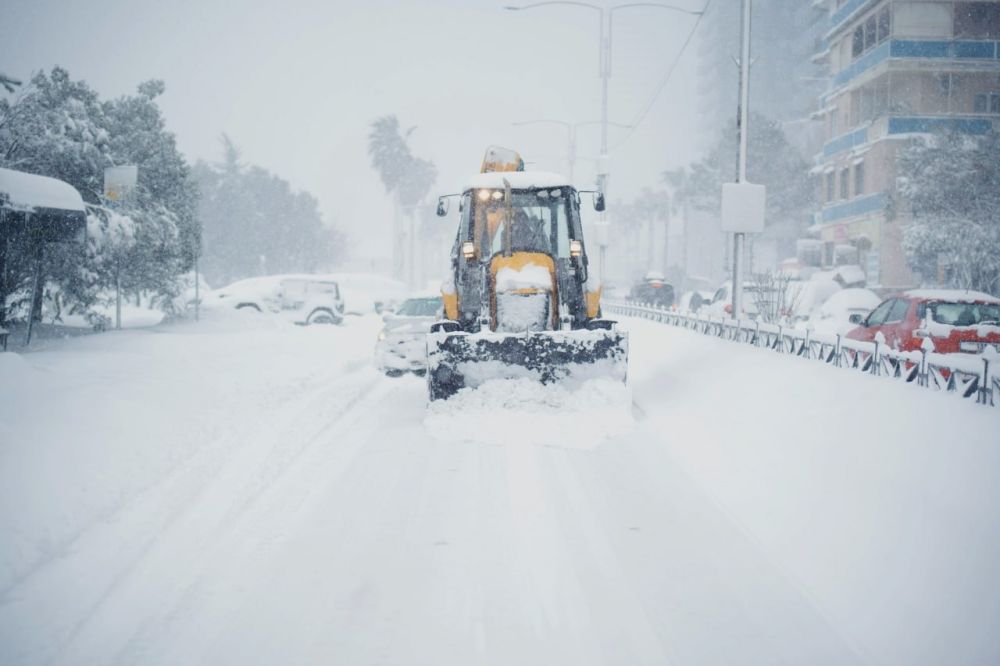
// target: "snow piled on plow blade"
[[461, 360]]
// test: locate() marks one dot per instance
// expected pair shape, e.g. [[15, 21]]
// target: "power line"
[[666, 78]]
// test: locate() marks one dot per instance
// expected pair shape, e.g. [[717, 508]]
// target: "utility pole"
[[605, 64], [739, 238]]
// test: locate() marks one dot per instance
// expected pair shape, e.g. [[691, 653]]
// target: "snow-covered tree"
[[58, 127], [254, 223], [949, 186], [771, 161], [406, 178]]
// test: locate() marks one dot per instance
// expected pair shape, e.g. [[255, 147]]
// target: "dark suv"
[[653, 291]]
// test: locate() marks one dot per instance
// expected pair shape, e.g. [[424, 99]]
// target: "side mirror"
[[856, 319], [599, 202], [442, 209]]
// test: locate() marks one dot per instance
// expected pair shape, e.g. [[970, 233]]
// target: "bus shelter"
[[37, 210]]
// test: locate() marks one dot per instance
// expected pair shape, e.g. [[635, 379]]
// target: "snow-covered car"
[[365, 293], [953, 321], [722, 301], [804, 298], [839, 312], [653, 290], [303, 299], [402, 345]]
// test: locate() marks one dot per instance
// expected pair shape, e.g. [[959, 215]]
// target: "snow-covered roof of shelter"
[[956, 295], [27, 191], [519, 180]]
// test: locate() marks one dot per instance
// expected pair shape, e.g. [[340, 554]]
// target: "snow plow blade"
[[457, 360]]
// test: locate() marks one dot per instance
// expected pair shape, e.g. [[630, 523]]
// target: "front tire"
[[323, 316]]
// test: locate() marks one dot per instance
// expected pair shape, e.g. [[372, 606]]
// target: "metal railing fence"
[[970, 376]]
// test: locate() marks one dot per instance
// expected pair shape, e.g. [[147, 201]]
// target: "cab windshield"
[[540, 221]]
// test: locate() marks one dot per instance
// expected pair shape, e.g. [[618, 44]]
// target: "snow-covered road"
[[244, 491]]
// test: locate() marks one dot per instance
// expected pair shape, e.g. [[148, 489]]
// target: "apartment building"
[[898, 68]]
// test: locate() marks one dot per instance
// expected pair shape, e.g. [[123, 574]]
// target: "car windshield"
[[964, 314], [540, 221], [420, 307]]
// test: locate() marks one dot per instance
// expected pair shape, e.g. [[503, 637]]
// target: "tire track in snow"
[[185, 629], [48, 608]]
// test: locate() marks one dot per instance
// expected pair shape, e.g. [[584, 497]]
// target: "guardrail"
[[969, 376]]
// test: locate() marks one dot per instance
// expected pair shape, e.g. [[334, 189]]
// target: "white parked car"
[[303, 299], [722, 301], [834, 315], [402, 344], [806, 297]]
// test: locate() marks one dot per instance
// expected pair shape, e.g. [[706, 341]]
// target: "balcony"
[[846, 141], [869, 203], [889, 125], [948, 52]]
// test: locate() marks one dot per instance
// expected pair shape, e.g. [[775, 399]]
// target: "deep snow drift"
[[248, 491]]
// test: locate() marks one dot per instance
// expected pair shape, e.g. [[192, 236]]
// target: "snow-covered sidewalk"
[[245, 491]]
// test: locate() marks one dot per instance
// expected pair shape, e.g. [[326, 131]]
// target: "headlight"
[[381, 335], [974, 347]]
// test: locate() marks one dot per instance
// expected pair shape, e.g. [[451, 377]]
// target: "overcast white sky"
[[295, 83]]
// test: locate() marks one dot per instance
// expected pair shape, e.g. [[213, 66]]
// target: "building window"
[[858, 41], [987, 103], [872, 32], [884, 25], [844, 175], [859, 178], [977, 20], [831, 186]]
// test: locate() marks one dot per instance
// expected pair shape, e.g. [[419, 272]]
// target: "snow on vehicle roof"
[[27, 191], [854, 298], [850, 273], [957, 295], [519, 180]]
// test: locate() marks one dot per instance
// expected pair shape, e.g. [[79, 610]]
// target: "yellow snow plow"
[[519, 301]]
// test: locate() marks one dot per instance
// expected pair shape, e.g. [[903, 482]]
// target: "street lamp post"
[[742, 117]]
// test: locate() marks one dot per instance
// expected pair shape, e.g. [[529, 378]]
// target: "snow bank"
[[514, 412], [877, 497], [90, 425]]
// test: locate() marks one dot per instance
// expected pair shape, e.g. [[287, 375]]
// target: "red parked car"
[[956, 321]]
